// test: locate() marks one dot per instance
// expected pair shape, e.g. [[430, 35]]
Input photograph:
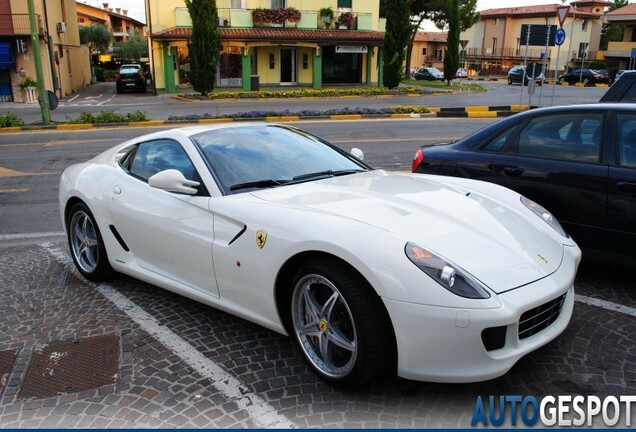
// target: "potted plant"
[[346, 20], [28, 82], [293, 15], [326, 16], [29, 87]]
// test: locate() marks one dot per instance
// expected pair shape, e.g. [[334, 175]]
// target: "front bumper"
[[440, 344]]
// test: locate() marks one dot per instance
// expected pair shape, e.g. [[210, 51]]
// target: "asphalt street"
[[102, 97]]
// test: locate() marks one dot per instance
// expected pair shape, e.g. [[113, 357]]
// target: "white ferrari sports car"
[[372, 272]]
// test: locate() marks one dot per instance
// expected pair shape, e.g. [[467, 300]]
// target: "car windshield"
[[434, 70], [253, 157]]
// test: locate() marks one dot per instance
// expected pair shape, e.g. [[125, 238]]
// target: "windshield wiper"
[[325, 174], [258, 184]]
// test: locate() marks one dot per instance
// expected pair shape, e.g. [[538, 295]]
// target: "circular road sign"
[[559, 37]]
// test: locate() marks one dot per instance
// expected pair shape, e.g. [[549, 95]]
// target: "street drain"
[[7, 358], [69, 367]]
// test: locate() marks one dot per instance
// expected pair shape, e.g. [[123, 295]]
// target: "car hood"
[[494, 242]]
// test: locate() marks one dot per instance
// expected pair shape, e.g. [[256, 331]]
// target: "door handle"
[[513, 171], [626, 187], [116, 190]]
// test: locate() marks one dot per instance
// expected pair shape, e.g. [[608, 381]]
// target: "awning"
[[6, 55]]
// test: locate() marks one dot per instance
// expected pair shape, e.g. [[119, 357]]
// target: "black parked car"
[[579, 162], [131, 79], [585, 76]]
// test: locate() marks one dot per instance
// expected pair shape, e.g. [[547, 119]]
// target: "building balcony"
[[18, 25], [619, 49], [242, 18]]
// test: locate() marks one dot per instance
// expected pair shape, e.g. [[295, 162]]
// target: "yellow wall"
[[164, 15], [74, 65]]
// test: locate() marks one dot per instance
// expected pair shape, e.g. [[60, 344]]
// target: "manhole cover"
[[69, 367], [6, 364]]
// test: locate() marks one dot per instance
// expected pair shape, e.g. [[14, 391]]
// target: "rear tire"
[[86, 244], [340, 324]]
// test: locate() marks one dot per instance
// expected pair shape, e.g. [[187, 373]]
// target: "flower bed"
[[300, 93]]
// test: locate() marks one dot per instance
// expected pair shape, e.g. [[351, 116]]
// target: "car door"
[[621, 213], [168, 233], [555, 160]]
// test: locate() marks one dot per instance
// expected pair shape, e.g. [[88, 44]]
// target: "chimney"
[[118, 10], [105, 5], [110, 9], [125, 12]]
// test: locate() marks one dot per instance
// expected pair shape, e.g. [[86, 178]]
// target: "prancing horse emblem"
[[261, 238]]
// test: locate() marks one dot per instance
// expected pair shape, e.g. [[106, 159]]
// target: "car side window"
[[570, 137], [627, 140], [498, 142], [152, 157]]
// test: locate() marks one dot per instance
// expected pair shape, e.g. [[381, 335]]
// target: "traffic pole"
[[43, 97]]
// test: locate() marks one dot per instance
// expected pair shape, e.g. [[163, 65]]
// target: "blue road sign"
[[559, 37]]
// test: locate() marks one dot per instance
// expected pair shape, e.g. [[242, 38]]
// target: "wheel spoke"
[[78, 233], [325, 350], [85, 227], [327, 308], [312, 308], [337, 338], [310, 330]]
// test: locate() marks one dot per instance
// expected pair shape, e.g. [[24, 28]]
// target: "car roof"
[[131, 65]]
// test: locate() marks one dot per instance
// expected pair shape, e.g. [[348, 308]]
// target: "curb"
[[387, 96], [465, 112]]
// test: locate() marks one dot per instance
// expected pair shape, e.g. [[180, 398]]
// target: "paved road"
[[102, 97]]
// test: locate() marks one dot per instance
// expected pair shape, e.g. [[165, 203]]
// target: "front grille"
[[539, 318]]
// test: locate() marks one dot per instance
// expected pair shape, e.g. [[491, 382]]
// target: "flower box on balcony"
[[275, 17]]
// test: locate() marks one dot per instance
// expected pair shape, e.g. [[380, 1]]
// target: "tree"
[[205, 44], [436, 11], [451, 56], [96, 37], [612, 32], [396, 38], [132, 49]]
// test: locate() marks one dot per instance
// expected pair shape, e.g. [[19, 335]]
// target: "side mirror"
[[356, 152], [172, 180]]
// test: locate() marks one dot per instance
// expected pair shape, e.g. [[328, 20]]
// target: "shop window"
[[230, 67]]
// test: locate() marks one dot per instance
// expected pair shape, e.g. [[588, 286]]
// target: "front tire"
[[86, 244], [339, 324]]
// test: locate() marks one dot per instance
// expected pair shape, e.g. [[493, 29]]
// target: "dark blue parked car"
[[579, 162]]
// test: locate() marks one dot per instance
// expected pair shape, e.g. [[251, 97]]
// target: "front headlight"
[[448, 275], [544, 214]]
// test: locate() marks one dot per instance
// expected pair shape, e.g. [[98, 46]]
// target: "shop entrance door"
[[287, 66]]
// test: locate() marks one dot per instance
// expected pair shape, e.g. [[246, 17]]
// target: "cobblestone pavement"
[[227, 372]]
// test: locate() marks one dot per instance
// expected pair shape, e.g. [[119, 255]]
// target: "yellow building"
[[65, 63], [623, 52], [428, 50], [115, 19], [495, 43], [300, 49]]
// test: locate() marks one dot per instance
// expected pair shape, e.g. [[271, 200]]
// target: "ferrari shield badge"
[[261, 238]]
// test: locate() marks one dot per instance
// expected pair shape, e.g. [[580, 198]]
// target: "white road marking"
[[25, 236], [94, 97], [73, 98], [102, 103], [260, 412], [607, 305]]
